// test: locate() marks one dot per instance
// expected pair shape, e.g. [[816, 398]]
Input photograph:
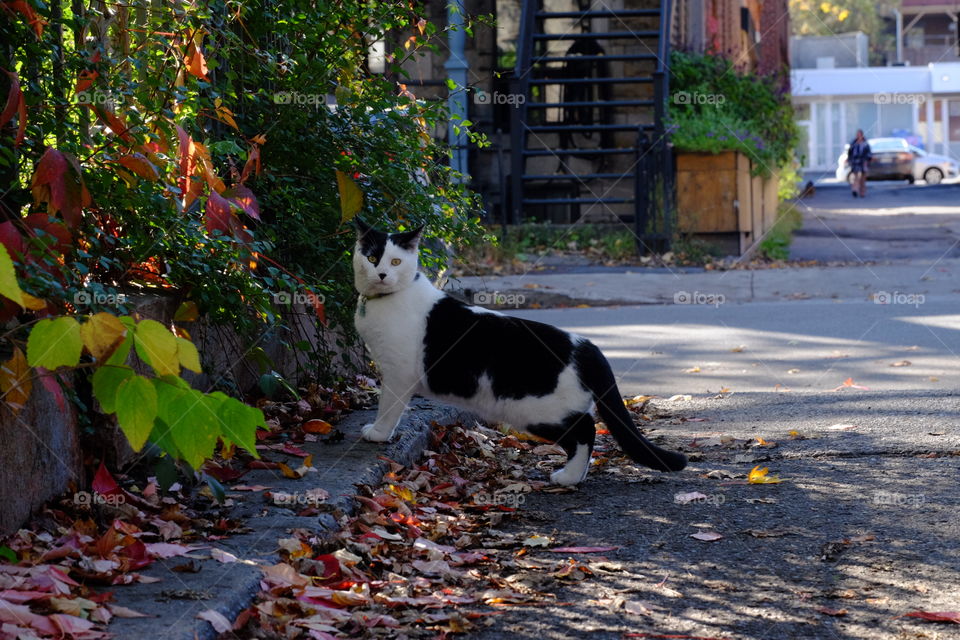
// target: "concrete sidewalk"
[[664, 286]]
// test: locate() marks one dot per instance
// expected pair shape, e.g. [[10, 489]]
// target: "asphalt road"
[[799, 345], [896, 221], [861, 530]]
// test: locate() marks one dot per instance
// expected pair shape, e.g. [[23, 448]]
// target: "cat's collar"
[[364, 298]]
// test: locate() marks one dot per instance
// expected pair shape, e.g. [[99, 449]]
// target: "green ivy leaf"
[[136, 410], [188, 356], [239, 423], [106, 381], [157, 346], [9, 287], [55, 343], [196, 428]]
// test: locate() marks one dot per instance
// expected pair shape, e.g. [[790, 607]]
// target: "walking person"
[[859, 156]]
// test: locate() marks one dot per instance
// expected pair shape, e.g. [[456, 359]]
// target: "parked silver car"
[[896, 159]]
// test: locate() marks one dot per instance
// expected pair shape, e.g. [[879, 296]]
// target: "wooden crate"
[[718, 200]]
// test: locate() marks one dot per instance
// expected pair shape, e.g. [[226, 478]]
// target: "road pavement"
[[842, 381]]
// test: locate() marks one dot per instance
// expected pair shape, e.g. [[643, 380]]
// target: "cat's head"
[[384, 262]]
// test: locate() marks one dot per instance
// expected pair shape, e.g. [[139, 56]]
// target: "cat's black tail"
[[595, 375]]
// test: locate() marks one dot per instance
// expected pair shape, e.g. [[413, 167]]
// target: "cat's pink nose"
[[382, 276]]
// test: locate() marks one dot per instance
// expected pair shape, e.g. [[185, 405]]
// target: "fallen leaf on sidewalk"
[[692, 370], [850, 384], [827, 611], [841, 427], [707, 536], [902, 363], [537, 541], [216, 619], [934, 616], [759, 476]]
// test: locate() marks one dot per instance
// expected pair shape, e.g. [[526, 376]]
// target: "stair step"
[[577, 200], [583, 177], [610, 58], [591, 103], [637, 80], [625, 13], [600, 35], [574, 128], [578, 152]]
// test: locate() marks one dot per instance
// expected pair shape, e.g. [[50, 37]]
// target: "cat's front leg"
[[394, 396]]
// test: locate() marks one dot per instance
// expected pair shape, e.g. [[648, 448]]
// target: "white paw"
[[568, 477], [370, 433]]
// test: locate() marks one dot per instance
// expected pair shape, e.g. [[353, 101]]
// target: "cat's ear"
[[362, 227], [408, 239]]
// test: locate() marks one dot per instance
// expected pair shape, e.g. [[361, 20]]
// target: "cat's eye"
[[372, 259], [395, 261]]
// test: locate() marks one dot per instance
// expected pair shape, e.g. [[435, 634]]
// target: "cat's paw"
[[370, 433], [568, 477]]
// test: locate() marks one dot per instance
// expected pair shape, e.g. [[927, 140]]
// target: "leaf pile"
[[48, 589], [422, 556]]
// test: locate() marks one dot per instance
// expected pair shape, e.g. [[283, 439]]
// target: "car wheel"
[[933, 175]]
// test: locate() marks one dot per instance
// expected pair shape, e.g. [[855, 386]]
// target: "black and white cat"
[[534, 377]]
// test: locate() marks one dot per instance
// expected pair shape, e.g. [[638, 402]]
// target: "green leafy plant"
[[714, 107], [163, 409]]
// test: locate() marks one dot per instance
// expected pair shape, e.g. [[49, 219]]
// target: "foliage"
[[184, 423], [715, 107], [173, 148], [523, 241]]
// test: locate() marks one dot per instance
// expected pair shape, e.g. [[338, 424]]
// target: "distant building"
[[930, 31], [829, 52], [920, 103]]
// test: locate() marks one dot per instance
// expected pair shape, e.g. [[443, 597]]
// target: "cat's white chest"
[[393, 328]]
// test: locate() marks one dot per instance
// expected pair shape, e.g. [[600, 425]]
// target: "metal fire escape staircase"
[[589, 138]]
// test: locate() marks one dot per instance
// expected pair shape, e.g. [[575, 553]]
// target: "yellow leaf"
[[759, 476], [15, 381], [351, 198], [102, 333], [157, 346], [401, 492], [187, 312], [287, 471], [9, 287], [32, 303], [188, 356]]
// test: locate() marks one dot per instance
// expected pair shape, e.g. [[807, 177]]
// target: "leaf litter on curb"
[[423, 556]]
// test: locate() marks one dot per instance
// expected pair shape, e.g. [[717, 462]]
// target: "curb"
[[175, 600]]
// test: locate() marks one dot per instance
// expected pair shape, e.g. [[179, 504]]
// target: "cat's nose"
[[382, 276]]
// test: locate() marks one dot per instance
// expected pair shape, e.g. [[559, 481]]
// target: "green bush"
[[714, 107]]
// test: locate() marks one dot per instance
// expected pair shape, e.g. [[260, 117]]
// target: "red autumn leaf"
[[58, 181], [195, 62], [218, 213], [293, 450], [317, 426], [320, 310], [252, 164], [104, 484], [85, 80], [116, 123], [138, 164], [186, 152], [55, 238], [23, 8], [14, 96], [49, 381], [935, 616], [243, 197], [11, 239]]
